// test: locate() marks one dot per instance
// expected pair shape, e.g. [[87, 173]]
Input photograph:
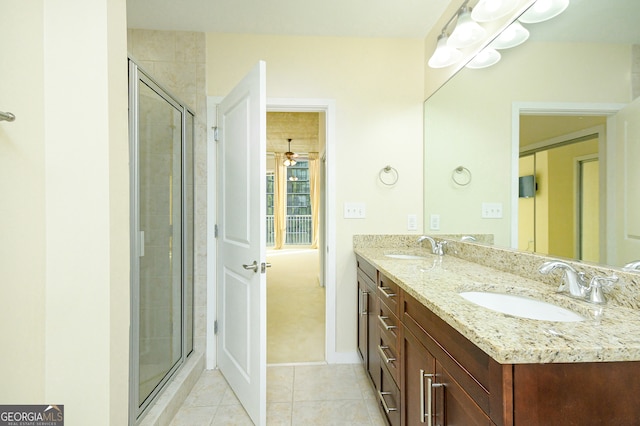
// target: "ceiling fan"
[[290, 156]]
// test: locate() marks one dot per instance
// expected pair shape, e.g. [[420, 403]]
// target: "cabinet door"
[[418, 372], [367, 327], [455, 406], [363, 316]]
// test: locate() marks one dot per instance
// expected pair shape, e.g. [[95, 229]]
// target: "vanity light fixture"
[[514, 35], [490, 10], [487, 57], [444, 55], [543, 10], [467, 32], [289, 157]]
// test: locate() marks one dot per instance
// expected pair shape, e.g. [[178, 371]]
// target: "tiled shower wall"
[[177, 61]]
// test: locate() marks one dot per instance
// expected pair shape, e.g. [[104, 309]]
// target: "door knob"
[[253, 266]]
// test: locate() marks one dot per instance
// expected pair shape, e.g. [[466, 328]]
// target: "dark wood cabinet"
[[426, 373], [368, 334], [430, 395]]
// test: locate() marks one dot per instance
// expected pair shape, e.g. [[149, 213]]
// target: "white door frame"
[[290, 105]]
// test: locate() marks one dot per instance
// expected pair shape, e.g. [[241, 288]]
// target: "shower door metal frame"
[[137, 75]]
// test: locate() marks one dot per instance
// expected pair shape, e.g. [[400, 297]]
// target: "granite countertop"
[[609, 333]]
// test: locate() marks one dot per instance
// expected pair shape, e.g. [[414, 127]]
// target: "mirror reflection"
[[561, 109]]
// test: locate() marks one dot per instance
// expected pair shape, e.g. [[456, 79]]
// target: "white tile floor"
[[296, 395]]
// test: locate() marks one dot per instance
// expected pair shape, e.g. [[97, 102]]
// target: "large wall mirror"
[[561, 111]]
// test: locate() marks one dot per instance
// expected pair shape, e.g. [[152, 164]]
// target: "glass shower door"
[[162, 238], [159, 215]]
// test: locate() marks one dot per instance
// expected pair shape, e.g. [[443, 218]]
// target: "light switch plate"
[[492, 210], [434, 222], [412, 222], [354, 211]]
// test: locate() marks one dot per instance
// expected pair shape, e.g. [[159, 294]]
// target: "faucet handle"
[[597, 284]]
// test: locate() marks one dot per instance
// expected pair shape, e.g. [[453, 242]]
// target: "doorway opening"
[[296, 299]]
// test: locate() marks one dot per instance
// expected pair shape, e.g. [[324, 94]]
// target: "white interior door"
[[241, 279], [625, 191]]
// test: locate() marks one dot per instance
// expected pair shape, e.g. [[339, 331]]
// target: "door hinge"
[[215, 231], [215, 327], [215, 133]]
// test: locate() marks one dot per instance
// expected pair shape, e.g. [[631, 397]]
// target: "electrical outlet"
[[434, 222], [412, 222], [354, 211], [492, 210]]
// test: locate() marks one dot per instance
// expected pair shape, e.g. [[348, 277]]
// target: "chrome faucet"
[[572, 280], [632, 266], [437, 247], [596, 286], [468, 238], [575, 283]]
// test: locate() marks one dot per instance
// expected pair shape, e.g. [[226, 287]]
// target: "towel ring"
[[461, 176], [388, 175]]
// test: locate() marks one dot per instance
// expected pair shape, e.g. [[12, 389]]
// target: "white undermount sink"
[[521, 306], [404, 256]]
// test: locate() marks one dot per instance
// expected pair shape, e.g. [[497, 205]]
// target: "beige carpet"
[[295, 307]]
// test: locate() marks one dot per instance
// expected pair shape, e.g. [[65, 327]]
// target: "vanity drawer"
[[388, 353], [389, 397], [368, 269], [388, 292]]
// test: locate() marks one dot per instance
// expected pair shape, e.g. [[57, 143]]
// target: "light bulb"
[[484, 59], [444, 54], [490, 10], [514, 35], [467, 31], [543, 10]]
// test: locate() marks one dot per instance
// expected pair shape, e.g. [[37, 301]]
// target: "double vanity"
[[479, 336]]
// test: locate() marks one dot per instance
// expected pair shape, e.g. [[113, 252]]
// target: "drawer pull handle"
[[387, 409], [387, 292], [364, 303], [387, 359], [430, 385], [384, 323]]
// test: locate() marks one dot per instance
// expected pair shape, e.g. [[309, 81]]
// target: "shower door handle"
[[253, 266]]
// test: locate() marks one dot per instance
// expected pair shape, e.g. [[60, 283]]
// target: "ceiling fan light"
[[490, 10], [444, 54], [514, 35], [543, 10], [467, 31], [484, 59]]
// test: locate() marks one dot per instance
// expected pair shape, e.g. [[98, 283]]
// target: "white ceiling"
[[584, 20], [349, 18]]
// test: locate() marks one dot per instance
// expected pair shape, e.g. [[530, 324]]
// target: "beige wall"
[[526, 209], [176, 60], [562, 196], [377, 85], [64, 165], [468, 123], [22, 185]]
